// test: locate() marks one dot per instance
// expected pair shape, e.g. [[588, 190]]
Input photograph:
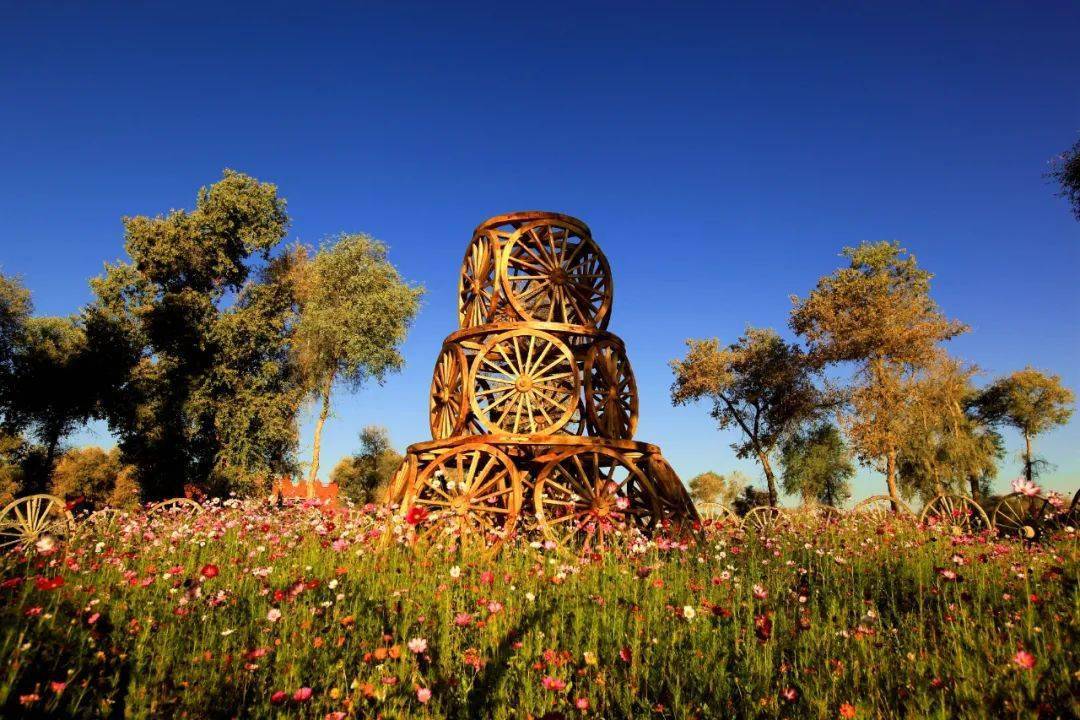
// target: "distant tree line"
[[199, 351]]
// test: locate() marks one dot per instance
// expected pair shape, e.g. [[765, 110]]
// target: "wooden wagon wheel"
[[589, 494], [611, 397], [34, 519], [1020, 516], [826, 514], [716, 512], [477, 290], [879, 507], [553, 271], [472, 491], [765, 520], [676, 506], [524, 381], [956, 514], [176, 507], [1072, 517], [447, 406], [105, 520], [402, 479]]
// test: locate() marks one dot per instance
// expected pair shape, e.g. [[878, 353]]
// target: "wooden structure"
[[533, 404]]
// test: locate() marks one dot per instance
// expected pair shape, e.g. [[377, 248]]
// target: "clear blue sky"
[[722, 156]]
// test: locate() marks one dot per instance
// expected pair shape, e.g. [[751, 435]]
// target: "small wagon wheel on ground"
[[765, 520], [477, 290], [471, 492], [879, 507], [447, 406], [826, 514], [105, 521], [524, 382], [181, 507], [553, 271], [586, 495], [957, 514], [34, 519], [1021, 516], [611, 397], [716, 513], [676, 507]]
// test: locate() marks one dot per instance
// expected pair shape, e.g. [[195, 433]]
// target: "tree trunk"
[[764, 458], [890, 476], [974, 482], [317, 445], [1028, 470]]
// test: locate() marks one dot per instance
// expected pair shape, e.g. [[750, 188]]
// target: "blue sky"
[[721, 155]]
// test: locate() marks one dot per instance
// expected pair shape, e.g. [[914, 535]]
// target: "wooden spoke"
[[447, 406], [879, 507], [402, 480], [589, 494], [471, 490], [715, 512], [610, 391], [524, 382], [552, 271], [765, 520], [176, 507], [26, 522], [1021, 516], [955, 514]]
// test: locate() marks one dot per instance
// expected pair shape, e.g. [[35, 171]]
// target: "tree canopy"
[[816, 465], [364, 476], [1066, 172], [711, 487]]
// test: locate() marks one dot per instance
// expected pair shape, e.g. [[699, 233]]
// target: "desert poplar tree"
[[760, 384], [876, 314], [355, 310]]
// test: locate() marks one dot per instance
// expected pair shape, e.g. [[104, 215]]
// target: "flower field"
[[247, 610]]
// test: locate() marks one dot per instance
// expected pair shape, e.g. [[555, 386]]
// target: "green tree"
[[711, 487], [355, 310], [1031, 401], [15, 308], [876, 314], [364, 476], [816, 465], [88, 472], [946, 445], [761, 384], [1066, 172], [191, 363]]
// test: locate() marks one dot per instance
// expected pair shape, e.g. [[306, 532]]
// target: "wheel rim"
[[553, 271], [610, 391], [1018, 515], [879, 507], [447, 408], [588, 495], [955, 513], [764, 518], [27, 520], [524, 382], [476, 287], [471, 491]]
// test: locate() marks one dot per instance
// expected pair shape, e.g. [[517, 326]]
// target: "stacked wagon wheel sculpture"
[[35, 523], [955, 514], [533, 404]]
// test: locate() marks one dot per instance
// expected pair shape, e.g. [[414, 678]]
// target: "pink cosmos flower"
[[1021, 485], [1024, 659], [302, 695], [553, 684], [760, 593], [487, 577], [423, 695], [418, 645], [274, 615], [462, 619], [279, 697], [494, 606], [582, 704]]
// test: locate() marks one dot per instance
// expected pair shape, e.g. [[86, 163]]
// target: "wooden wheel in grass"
[[765, 520], [524, 382], [879, 507], [551, 270], [105, 521], [477, 289], [35, 522], [956, 514], [1021, 516], [586, 495], [716, 513], [447, 406], [676, 507], [826, 514], [402, 479], [470, 492], [175, 507], [611, 398]]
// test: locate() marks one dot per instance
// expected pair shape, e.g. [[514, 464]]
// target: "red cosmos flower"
[[763, 627], [790, 694], [847, 711], [416, 515], [57, 687], [302, 695], [1024, 659], [209, 571], [46, 584], [487, 578], [625, 654], [279, 697]]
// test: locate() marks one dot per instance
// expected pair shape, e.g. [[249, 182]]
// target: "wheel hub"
[[558, 276], [524, 383]]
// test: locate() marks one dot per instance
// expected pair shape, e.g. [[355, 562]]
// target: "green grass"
[[862, 618]]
